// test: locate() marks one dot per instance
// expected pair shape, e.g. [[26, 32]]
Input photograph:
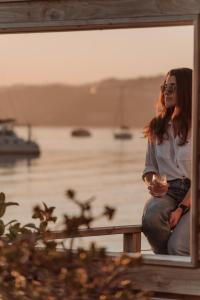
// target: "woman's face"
[[169, 91]]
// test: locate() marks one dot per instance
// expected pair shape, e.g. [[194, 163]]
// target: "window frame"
[[11, 23]]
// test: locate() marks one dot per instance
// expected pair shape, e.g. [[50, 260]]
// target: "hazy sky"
[[87, 56]]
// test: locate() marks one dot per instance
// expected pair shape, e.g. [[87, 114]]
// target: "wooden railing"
[[131, 235]]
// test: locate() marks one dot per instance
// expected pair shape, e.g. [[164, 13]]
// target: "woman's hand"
[[175, 217], [157, 189]]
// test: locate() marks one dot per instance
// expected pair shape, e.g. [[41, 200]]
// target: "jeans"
[[155, 221]]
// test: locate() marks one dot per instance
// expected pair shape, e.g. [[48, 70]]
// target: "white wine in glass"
[[160, 181]]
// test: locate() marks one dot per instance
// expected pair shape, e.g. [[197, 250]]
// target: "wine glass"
[[160, 182], [161, 179]]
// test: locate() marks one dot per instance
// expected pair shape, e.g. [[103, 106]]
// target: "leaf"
[[30, 225], [2, 209], [10, 222], [11, 203], [91, 199], [4, 204], [70, 194], [38, 215], [45, 206], [109, 212], [25, 230], [13, 232], [16, 226], [53, 219], [2, 198], [51, 209], [2, 227], [10, 236]]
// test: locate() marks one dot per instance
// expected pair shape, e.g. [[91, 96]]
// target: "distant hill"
[[95, 104]]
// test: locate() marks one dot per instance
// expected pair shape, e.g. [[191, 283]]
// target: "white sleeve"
[[150, 161]]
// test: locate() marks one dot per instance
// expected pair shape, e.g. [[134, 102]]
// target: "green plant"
[[48, 273]]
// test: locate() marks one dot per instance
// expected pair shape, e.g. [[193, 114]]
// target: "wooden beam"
[[181, 281], [99, 9], [131, 235], [132, 242], [167, 296], [98, 231], [57, 15], [167, 260], [194, 228]]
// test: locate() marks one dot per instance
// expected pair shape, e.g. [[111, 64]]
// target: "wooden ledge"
[[131, 235], [97, 231]]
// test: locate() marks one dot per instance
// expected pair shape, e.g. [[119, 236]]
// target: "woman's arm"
[[187, 199], [178, 212], [151, 166]]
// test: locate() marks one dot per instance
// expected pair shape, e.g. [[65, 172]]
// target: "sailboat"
[[123, 132], [11, 143]]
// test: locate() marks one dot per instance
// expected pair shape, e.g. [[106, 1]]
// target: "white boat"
[[11, 143], [80, 132], [123, 134]]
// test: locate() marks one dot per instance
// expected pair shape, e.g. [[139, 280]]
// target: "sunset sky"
[[89, 56]]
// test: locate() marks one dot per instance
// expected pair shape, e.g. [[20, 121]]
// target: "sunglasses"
[[168, 88]]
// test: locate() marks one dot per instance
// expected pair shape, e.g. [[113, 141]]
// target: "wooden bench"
[[131, 235]]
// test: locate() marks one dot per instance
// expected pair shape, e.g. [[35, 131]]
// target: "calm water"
[[98, 166]]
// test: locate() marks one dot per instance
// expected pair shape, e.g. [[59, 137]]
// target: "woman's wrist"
[[179, 209], [184, 208]]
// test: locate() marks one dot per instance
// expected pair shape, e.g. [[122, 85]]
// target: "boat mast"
[[29, 132], [121, 105]]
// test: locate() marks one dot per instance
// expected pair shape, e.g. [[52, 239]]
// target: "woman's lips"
[[168, 101]]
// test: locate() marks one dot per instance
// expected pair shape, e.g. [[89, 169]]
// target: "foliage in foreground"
[[34, 267]]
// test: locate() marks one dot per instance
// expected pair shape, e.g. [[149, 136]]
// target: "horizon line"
[[81, 84]]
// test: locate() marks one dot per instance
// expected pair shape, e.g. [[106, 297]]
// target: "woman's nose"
[[168, 91]]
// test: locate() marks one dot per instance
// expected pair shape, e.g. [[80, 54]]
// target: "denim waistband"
[[183, 180], [177, 188]]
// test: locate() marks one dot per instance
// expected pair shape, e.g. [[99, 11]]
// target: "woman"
[[166, 218]]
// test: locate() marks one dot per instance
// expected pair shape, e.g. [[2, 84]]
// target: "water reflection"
[[11, 161]]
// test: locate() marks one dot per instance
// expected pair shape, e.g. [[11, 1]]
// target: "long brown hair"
[[180, 115]]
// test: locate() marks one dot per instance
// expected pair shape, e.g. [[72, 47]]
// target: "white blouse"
[[169, 158]]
